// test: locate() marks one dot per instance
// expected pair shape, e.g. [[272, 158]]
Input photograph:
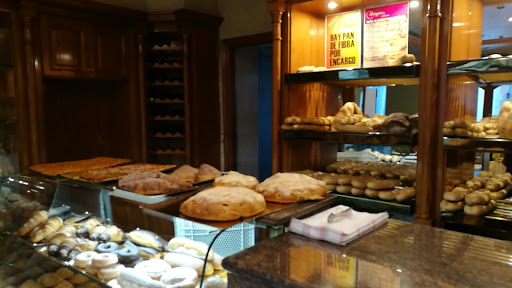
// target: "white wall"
[[243, 17]]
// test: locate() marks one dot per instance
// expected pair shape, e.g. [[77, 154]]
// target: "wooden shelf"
[[172, 137], [406, 74], [167, 49], [376, 205], [166, 101], [496, 70], [169, 66], [478, 144], [159, 84], [167, 153], [174, 119], [375, 138]]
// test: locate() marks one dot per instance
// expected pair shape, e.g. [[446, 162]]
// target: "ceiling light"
[[510, 19], [332, 5], [414, 4]]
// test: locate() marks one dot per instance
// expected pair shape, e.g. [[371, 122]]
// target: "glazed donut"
[[104, 260], [109, 247], [154, 268], [109, 273], [81, 260], [180, 277], [128, 255]]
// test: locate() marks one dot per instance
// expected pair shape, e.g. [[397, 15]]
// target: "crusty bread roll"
[[405, 193], [371, 193], [356, 191], [345, 189], [477, 198], [476, 210], [451, 206], [344, 179], [457, 194], [388, 194], [382, 184]]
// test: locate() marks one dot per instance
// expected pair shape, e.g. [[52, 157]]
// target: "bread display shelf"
[[373, 138], [406, 74], [477, 144], [496, 70], [495, 224], [376, 205]]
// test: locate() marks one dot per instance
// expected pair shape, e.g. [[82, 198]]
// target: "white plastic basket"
[[231, 241]]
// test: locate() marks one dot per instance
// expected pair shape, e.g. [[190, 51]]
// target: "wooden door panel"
[[109, 53], [63, 46]]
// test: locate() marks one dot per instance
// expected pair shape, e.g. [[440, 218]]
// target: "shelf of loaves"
[[406, 74], [371, 138], [483, 70], [478, 144]]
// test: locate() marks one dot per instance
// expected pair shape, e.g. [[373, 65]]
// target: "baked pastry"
[[186, 172], [223, 204], [291, 188], [54, 169], [235, 179], [207, 172]]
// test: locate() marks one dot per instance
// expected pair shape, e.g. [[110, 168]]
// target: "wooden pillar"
[[276, 9], [429, 179], [32, 146]]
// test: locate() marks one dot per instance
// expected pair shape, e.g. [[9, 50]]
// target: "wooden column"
[[276, 9], [430, 166], [32, 148]]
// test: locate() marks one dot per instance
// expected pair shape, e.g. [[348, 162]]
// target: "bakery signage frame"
[[385, 34], [343, 40]]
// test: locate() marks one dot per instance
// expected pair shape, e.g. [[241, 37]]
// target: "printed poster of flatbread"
[[386, 34]]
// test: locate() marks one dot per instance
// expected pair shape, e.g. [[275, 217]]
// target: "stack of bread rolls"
[[478, 195], [307, 123], [374, 180], [464, 127]]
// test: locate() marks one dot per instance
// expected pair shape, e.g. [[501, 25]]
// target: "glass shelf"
[[406, 74], [478, 144], [373, 138], [483, 70]]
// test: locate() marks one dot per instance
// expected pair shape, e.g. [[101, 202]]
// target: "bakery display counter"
[[362, 203], [372, 138], [398, 254], [477, 144], [494, 70], [406, 74]]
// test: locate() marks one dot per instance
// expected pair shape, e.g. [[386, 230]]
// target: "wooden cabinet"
[[76, 49]]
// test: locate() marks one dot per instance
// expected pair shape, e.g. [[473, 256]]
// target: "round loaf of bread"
[[236, 179], [291, 188], [223, 204]]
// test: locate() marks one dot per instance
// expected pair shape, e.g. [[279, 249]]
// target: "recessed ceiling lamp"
[[332, 5], [414, 4], [510, 19]]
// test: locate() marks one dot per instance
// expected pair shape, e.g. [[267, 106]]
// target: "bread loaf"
[[451, 206]]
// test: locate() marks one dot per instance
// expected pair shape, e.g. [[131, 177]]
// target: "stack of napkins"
[[341, 232]]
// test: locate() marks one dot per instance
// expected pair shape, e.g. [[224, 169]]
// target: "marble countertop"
[[398, 254]]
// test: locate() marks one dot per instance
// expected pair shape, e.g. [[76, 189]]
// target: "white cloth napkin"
[[342, 231]]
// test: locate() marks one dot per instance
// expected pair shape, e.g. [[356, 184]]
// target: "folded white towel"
[[342, 231]]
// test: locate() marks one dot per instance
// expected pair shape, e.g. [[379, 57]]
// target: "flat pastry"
[[236, 179], [54, 169], [186, 172], [223, 204], [291, 188], [207, 172]]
